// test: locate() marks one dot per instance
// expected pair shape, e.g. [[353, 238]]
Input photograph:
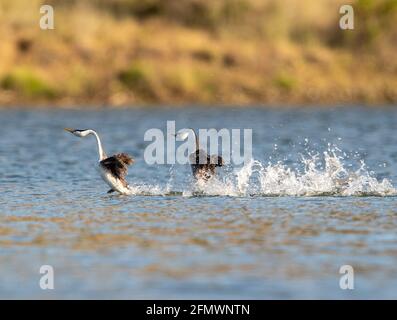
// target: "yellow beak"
[[68, 130]]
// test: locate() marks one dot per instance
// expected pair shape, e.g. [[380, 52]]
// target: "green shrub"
[[285, 82], [28, 84]]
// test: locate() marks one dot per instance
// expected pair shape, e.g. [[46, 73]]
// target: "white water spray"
[[322, 175]]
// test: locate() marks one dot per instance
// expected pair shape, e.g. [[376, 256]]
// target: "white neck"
[[196, 139], [102, 154]]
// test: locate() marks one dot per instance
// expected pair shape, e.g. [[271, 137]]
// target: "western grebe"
[[113, 169], [203, 165]]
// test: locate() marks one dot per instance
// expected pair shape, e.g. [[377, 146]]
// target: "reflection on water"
[[279, 227]]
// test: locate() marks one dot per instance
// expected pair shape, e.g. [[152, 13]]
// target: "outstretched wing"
[[124, 158], [117, 165], [203, 165], [200, 157]]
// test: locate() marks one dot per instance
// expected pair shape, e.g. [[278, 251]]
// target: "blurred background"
[[322, 190], [172, 52]]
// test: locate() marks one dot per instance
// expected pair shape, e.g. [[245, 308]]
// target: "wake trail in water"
[[320, 176]]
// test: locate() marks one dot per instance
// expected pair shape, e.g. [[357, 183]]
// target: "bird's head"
[[182, 134], [78, 132]]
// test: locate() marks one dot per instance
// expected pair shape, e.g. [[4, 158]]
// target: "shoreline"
[[96, 57], [91, 107]]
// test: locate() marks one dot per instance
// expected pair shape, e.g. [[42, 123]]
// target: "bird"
[[113, 169], [202, 165]]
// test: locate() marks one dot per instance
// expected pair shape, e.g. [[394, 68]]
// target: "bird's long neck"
[[196, 138], [102, 154]]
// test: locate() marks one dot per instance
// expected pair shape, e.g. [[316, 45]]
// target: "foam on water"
[[333, 179], [147, 190], [321, 175]]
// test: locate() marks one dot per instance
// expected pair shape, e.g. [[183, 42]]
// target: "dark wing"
[[198, 157], [117, 165], [216, 160], [203, 165], [124, 158]]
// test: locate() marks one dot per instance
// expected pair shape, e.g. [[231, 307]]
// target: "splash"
[[333, 179], [314, 175], [147, 190], [330, 179]]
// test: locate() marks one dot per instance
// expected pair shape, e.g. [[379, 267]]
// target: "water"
[[320, 193]]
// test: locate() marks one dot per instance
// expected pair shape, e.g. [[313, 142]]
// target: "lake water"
[[320, 194]]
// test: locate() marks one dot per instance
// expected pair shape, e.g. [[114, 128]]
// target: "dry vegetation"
[[126, 52]]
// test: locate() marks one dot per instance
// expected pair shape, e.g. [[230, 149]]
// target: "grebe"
[[113, 169], [203, 165]]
